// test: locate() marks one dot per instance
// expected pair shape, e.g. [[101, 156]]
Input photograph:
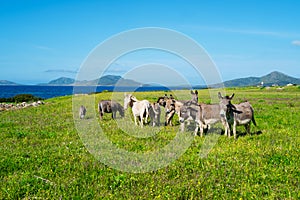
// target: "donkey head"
[[127, 100], [162, 100], [225, 103], [226, 106], [170, 105]]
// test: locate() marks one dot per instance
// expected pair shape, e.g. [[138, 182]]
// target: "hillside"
[[279, 78], [268, 80], [275, 77], [112, 80], [105, 80], [5, 82], [62, 81]]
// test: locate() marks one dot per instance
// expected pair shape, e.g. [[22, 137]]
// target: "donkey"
[[110, 106], [190, 111], [211, 114], [204, 115], [162, 101], [139, 108], [154, 112], [237, 114], [172, 106], [82, 112]]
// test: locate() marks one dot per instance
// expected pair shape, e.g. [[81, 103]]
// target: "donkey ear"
[[192, 92], [196, 92], [231, 96], [219, 95]]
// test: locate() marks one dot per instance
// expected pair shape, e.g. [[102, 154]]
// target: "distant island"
[[5, 82], [273, 79], [108, 80]]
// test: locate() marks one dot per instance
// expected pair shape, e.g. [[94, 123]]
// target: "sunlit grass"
[[44, 156]]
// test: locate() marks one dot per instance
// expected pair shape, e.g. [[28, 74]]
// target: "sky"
[[44, 40]]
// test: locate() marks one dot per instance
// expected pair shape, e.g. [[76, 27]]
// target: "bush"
[[25, 98], [21, 98], [6, 99]]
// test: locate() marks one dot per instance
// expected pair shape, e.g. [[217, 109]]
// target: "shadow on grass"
[[243, 134]]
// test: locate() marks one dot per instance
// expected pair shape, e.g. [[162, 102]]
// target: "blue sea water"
[[47, 92]]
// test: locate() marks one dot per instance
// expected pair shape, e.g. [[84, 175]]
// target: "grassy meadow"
[[44, 157]]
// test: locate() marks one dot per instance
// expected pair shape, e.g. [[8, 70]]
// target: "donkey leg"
[[197, 128], [247, 127], [226, 127], [196, 131], [181, 127], [135, 122], [168, 120], [142, 119], [172, 115], [201, 125], [153, 121], [234, 130], [169, 117], [146, 119], [226, 133], [158, 120]]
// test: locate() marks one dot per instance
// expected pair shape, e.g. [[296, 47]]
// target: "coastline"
[[51, 91]]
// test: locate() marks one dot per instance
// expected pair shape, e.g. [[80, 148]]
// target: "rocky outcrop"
[[10, 106]]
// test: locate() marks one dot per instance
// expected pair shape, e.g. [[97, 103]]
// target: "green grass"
[[43, 156]]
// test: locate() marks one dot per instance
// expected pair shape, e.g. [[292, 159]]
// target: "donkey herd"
[[203, 115]]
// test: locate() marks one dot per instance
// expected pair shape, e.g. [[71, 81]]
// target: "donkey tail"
[[253, 120], [99, 107]]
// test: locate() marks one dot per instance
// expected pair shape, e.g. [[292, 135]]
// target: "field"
[[44, 157]]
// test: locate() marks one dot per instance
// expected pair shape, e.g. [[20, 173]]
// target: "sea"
[[46, 92]]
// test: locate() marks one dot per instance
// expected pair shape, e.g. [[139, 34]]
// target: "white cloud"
[[60, 71], [41, 47], [296, 42], [243, 31]]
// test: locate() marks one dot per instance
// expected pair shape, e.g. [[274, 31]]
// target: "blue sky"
[[44, 40]]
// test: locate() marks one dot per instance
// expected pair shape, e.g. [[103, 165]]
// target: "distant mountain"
[[105, 80], [5, 82], [62, 81], [279, 78], [275, 77], [111, 80]]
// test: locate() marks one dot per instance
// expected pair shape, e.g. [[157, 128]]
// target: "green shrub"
[[25, 98], [21, 98], [6, 99]]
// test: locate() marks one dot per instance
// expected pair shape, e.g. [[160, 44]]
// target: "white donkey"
[[139, 108]]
